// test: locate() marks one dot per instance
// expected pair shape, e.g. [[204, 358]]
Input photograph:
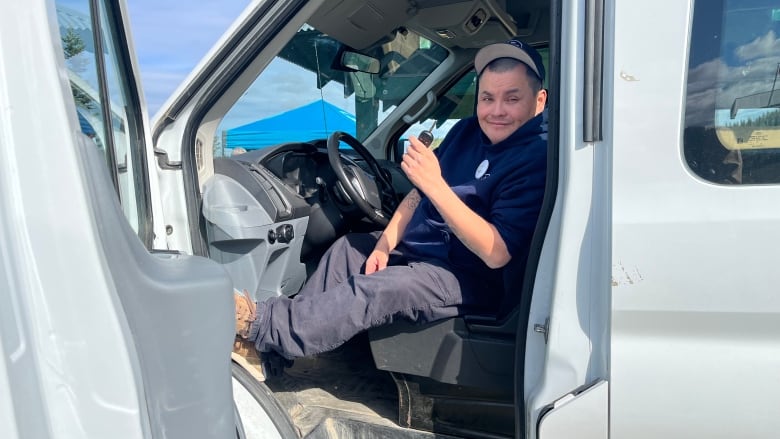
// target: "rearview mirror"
[[357, 62]]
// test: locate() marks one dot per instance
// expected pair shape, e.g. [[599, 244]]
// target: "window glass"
[[305, 94], [457, 103], [79, 50], [732, 120], [107, 114]]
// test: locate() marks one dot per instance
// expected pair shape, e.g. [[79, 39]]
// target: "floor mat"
[[342, 384]]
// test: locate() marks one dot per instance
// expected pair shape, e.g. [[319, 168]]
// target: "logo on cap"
[[517, 44]]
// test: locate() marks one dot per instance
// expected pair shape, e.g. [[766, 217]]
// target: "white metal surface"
[[572, 284], [696, 324], [584, 416], [57, 264]]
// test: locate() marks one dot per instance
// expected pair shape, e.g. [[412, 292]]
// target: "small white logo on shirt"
[[481, 169]]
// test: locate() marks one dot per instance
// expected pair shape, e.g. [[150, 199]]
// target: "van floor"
[[341, 394]]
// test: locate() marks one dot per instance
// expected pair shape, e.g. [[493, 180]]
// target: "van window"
[[732, 111], [108, 113]]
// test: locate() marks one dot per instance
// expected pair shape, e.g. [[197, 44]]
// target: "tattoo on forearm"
[[413, 199]]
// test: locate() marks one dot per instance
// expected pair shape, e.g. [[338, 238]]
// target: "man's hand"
[[422, 167], [376, 261], [476, 233]]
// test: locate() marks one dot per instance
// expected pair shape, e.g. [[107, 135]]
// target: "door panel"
[[696, 322], [170, 316], [180, 321]]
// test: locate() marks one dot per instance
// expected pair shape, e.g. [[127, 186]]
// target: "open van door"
[[106, 331]]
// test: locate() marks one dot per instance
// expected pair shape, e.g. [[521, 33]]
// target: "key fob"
[[426, 137]]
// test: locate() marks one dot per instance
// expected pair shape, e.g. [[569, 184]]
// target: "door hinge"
[[543, 329], [163, 162]]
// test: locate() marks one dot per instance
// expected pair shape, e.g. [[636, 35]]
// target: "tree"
[[72, 44], [72, 47], [217, 148]]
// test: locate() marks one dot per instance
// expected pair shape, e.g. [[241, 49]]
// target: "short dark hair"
[[501, 65]]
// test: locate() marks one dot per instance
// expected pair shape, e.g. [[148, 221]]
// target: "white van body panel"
[[695, 326], [172, 195], [584, 415]]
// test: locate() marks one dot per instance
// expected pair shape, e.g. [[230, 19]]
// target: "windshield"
[[304, 94]]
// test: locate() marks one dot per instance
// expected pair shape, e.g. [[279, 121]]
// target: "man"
[[475, 207]]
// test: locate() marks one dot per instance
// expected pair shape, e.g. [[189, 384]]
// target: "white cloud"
[[761, 47], [715, 83]]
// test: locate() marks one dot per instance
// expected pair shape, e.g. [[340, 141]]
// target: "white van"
[[647, 306]]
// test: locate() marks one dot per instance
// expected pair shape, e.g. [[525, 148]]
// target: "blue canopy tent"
[[316, 120]]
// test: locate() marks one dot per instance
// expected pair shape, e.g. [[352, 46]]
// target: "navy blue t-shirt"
[[508, 194]]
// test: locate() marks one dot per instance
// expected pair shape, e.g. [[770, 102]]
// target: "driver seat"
[[456, 375], [470, 350]]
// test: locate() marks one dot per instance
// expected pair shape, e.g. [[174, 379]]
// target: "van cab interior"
[[270, 203]]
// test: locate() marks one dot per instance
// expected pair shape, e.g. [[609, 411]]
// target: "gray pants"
[[339, 301]]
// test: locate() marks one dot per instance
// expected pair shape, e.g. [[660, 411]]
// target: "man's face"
[[506, 102]]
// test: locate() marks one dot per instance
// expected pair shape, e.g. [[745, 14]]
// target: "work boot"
[[261, 365], [245, 354], [245, 312]]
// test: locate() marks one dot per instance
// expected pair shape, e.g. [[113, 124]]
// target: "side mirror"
[[357, 62]]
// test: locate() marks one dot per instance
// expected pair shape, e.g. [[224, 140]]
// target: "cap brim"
[[502, 50]]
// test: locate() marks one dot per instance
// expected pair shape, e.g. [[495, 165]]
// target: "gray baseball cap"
[[513, 48]]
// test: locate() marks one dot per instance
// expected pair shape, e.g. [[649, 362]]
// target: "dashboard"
[[296, 180]]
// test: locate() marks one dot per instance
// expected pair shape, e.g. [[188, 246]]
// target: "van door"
[[696, 319], [100, 337], [566, 354]]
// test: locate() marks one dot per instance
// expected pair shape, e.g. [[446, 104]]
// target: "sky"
[[170, 40], [172, 36]]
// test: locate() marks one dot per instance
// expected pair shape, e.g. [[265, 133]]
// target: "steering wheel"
[[371, 191]]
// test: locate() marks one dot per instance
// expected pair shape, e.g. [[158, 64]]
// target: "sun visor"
[[359, 23], [471, 24]]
